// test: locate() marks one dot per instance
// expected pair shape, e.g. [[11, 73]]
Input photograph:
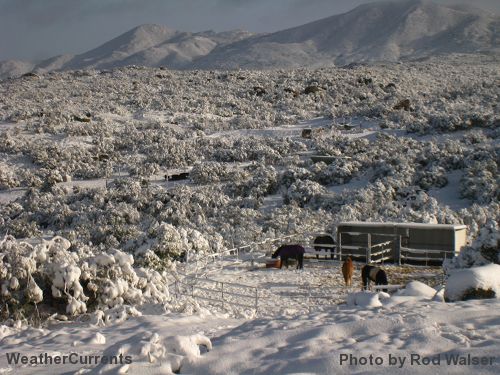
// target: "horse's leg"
[[301, 261], [364, 278]]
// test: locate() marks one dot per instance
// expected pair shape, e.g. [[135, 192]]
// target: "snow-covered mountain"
[[381, 31], [147, 45], [14, 68]]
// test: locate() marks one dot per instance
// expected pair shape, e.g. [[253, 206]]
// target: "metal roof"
[[403, 225]]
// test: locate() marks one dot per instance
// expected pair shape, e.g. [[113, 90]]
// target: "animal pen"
[[408, 243]]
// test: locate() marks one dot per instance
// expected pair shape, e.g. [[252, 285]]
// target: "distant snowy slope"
[[379, 31], [384, 31], [151, 45], [14, 68], [146, 45]]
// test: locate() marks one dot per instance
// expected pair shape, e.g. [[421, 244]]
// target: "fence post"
[[339, 244], [369, 248], [397, 241], [222, 293], [256, 299]]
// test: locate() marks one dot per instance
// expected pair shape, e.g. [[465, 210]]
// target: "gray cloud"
[[35, 29]]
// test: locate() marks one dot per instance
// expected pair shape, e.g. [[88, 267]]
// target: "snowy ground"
[[312, 342]]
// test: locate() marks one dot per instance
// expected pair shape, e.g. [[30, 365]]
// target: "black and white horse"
[[375, 274], [286, 252]]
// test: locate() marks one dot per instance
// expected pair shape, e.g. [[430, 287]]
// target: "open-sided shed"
[[400, 242]]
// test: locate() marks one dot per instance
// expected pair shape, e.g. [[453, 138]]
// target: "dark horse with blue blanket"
[[286, 252]]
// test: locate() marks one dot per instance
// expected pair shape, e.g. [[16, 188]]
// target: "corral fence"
[[367, 247], [218, 292], [228, 294], [243, 253], [377, 248]]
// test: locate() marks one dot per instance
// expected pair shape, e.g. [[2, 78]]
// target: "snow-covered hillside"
[[96, 212], [379, 31]]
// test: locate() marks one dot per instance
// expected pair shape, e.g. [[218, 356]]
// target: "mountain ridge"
[[378, 31]]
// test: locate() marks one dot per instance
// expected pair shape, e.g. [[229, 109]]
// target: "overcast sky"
[[38, 29]]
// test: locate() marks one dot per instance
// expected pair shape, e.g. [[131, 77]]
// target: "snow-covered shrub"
[[417, 289], [473, 283], [484, 249], [258, 181], [304, 192], [339, 172], [481, 182], [364, 299], [8, 177], [433, 177], [114, 281], [169, 242], [488, 241], [294, 174], [209, 172], [52, 270]]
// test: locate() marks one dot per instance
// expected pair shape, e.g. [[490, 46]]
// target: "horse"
[[348, 271], [372, 273], [286, 252], [324, 240]]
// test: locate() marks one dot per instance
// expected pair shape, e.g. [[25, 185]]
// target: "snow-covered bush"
[[473, 283], [434, 176], [53, 270], [8, 178], [209, 172], [484, 249], [481, 182], [304, 192], [169, 242], [339, 172]]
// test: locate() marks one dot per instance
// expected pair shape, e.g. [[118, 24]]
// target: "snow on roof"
[[402, 225]]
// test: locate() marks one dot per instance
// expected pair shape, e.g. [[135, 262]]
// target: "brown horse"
[[348, 271]]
